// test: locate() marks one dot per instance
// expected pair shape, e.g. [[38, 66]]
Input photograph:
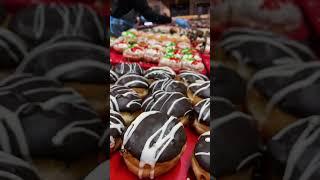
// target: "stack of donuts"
[[164, 49], [266, 119], [149, 111]]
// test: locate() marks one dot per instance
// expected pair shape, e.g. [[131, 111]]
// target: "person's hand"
[[182, 22]]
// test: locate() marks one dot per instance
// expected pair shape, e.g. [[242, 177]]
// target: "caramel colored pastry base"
[[129, 117], [200, 128], [271, 124], [160, 168], [95, 94], [53, 169], [200, 173], [184, 120], [118, 143], [194, 99], [142, 92]]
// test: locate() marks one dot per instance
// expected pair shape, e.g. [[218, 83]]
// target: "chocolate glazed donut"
[[189, 77], [125, 101], [294, 151], [157, 73], [247, 51], [235, 157], [128, 68], [168, 85], [277, 96], [138, 83], [201, 157], [202, 116], [79, 65], [113, 77], [153, 144], [12, 168], [116, 130], [198, 91], [167, 102]]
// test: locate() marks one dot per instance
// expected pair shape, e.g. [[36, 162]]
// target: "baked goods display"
[[157, 120], [171, 48], [266, 88]]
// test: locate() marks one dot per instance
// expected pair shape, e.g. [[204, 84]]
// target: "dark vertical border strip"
[[211, 86], [107, 30]]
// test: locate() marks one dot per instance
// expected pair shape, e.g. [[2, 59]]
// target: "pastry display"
[[202, 119], [201, 157], [125, 101], [248, 51], [157, 149], [198, 91]]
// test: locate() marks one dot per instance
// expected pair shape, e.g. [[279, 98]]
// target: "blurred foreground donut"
[[150, 152], [100, 172]]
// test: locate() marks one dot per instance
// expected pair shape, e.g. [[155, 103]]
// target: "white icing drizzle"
[[73, 128], [9, 175], [204, 108], [160, 70], [166, 83], [140, 80], [184, 75], [207, 140], [8, 49], [132, 68], [22, 82], [14, 39], [113, 75], [247, 160], [39, 21], [222, 99], [222, 120], [114, 105], [205, 84], [62, 69]]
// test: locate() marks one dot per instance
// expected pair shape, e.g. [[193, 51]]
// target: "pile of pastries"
[[149, 111], [161, 45], [266, 122]]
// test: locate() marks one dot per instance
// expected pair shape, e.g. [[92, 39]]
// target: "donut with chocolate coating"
[[156, 73], [189, 77], [201, 157], [198, 91], [157, 133], [168, 85], [117, 126], [128, 68]]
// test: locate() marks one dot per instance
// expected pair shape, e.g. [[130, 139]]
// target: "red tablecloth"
[[118, 168]]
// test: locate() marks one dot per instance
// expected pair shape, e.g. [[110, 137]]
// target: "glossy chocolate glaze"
[[123, 99], [113, 76], [157, 73], [200, 88], [233, 153], [173, 103], [262, 49], [190, 77], [226, 81], [133, 81], [295, 150], [302, 101], [202, 151], [168, 85], [128, 68], [62, 118], [116, 124], [68, 61], [148, 127]]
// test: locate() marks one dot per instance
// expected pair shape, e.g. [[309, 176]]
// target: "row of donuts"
[[276, 82], [41, 119], [155, 114]]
